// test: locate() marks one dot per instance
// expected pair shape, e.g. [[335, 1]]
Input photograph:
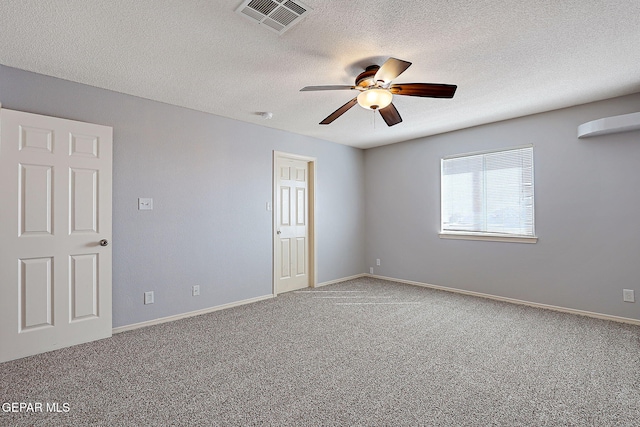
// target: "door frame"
[[311, 164]]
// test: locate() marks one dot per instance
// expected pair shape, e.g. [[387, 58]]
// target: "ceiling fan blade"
[[391, 69], [336, 87], [340, 111], [390, 115], [430, 90]]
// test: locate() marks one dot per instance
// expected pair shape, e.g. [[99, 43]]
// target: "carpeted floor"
[[363, 352]]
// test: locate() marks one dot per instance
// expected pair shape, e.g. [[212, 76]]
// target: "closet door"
[[291, 255], [55, 233]]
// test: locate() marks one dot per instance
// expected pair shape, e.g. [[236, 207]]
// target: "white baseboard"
[[392, 279], [216, 308], [344, 279], [513, 300], [188, 314]]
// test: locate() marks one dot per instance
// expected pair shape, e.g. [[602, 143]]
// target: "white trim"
[[487, 236], [615, 124], [344, 279], [479, 153], [515, 301], [294, 156], [188, 314]]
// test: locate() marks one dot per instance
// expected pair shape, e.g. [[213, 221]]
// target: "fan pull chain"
[[374, 119]]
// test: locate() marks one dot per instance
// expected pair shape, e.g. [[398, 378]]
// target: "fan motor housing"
[[365, 78]]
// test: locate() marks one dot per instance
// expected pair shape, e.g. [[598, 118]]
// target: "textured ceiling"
[[508, 58]]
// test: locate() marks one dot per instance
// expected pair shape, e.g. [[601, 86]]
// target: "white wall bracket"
[[615, 124]]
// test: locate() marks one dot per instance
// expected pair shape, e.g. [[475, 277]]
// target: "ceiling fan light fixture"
[[375, 99], [374, 84]]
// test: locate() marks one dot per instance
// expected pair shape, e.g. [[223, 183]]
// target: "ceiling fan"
[[376, 91]]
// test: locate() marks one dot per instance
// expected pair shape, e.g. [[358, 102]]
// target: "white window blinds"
[[488, 193]]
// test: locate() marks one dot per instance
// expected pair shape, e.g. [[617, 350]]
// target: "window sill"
[[488, 237]]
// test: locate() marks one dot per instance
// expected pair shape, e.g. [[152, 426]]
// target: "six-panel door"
[[292, 236], [55, 277]]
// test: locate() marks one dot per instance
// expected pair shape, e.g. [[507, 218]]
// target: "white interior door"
[[55, 193], [292, 224]]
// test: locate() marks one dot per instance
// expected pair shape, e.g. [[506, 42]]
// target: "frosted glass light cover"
[[375, 99]]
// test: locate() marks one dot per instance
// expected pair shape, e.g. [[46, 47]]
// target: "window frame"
[[488, 236]]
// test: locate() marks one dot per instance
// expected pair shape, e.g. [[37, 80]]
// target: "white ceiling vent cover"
[[275, 15]]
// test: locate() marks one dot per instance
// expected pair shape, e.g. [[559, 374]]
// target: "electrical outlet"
[[148, 297], [195, 290], [378, 261], [145, 204], [370, 270], [628, 295]]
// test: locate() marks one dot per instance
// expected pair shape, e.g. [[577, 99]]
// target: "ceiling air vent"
[[275, 15]]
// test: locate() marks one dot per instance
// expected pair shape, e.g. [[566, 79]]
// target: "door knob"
[[278, 232], [104, 242]]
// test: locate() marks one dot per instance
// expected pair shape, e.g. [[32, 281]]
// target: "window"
[[488, 196]]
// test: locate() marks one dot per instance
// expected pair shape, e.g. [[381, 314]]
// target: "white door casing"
[[55, 193], [294, 259]]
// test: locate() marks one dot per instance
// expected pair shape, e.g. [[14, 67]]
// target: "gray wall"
[[210, 179], [587, 203]]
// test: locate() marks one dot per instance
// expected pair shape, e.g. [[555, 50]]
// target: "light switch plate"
[[148, 297], [145, 204]]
